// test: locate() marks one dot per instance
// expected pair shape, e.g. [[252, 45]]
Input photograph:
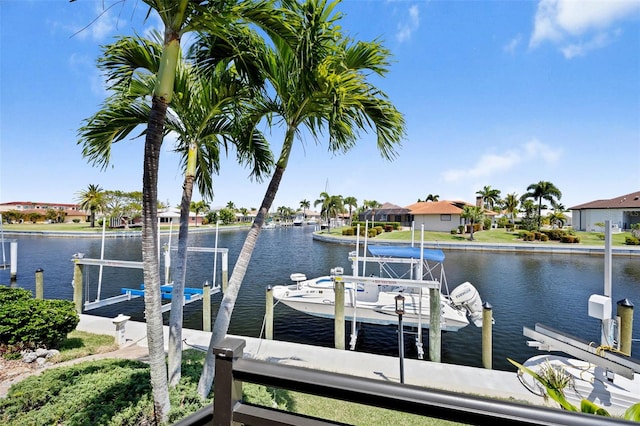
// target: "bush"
[[349, 232], [372, 233], [379, 230], [632, 241], [570, 239], [36, 322], [460, 229], [454, 231], [544, 237], [76, 220], [388, 228]]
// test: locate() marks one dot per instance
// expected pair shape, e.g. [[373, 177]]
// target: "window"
[[445, 218]]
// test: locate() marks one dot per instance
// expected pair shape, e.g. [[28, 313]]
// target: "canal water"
[[524, 289]]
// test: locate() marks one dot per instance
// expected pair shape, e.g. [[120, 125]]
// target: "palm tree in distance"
[[92, 200], [352, 202], [542, 190], [304, 205], [319, 84], [432, 197], [473, 214], [372, 205], [490, 197], [511, 203], [199, 207]]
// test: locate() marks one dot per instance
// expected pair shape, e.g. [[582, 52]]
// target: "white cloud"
[[567, 22], [491, 164], [512, 45], [410, 25]]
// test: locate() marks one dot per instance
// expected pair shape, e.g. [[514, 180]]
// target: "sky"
[[494, 93]]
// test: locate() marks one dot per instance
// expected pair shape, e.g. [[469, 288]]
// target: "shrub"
[[632, 241], [36, 322], [570, 239], [379, 229], [10, 295], [76, 220], [348, 231], [544, 237], [372, 233], [454, 231], [388, 228], [460, 229]]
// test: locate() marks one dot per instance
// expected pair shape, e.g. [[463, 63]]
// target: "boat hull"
[[317, 298]]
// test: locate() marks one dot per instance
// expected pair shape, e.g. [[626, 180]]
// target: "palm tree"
[[199, 207], [372, 205], [304, 205], [201, 117], [320, 83], [352, 202], [92, 199], [332, 205], [542, 190], [473, 214], [490, 197], [511, 203], [432, 197]]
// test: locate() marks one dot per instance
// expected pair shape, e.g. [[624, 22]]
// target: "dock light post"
[[400, 312]]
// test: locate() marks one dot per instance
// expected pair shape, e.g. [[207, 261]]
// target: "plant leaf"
[[633, 413]]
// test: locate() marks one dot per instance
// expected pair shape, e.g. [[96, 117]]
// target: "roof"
[[437, 207], [628, 201], [390, 208]]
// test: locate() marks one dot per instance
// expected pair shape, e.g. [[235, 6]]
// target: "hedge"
[[34, 322]]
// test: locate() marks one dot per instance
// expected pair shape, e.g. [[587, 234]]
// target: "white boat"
[[269, 225], [371, 299], [298, 221]]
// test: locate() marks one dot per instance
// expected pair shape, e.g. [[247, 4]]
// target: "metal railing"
[[231, 370]]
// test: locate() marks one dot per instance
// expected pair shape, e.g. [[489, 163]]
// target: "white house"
[[622, 211]]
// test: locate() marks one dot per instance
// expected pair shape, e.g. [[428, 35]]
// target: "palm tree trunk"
[[177, 294], [177, 308], [151, 267], [221, 325]]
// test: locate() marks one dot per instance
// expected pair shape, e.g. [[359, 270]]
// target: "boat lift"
[[190, 294]]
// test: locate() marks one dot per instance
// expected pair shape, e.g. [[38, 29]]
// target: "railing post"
[[487, 343], [227, 391], [435, 332], [268, 315]]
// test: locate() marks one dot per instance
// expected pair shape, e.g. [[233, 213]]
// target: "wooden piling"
[[435, 332], [625, 313], [268, 314], [225, 271], [487, 332], [39, 283], [339, 322], [77, 286], [206, 307]]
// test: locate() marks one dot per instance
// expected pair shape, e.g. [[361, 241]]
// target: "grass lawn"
[[489, 236]]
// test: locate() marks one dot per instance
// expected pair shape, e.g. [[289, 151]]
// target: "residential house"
[[622, 212], [387, 212], [172, 215], [437, 215], [68, 212]]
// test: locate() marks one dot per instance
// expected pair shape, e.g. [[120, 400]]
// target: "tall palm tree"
[[352, 202], [92, 199], [432, 197], [304, 205], [473, 214], [490, 196], [319, 84], [202, 119], [511, 203], [372, 205], [542, 190]]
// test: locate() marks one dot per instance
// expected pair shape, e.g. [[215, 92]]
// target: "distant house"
[[68, 212], [622, 211], [387, 213], [172, 215], [440, 215]]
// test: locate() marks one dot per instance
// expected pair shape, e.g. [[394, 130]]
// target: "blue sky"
[[499, 93]]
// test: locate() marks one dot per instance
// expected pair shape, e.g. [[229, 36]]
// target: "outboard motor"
[[467, 296]]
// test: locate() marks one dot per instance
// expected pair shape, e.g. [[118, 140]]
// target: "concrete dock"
[[455, 378]]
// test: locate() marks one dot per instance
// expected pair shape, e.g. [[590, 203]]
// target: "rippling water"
[[523, 289]]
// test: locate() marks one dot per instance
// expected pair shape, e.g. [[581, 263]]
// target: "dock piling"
[[435, 332], [339, 313], [40, 283], [77, 286], [268, 315], [206, 307], [487, 343], [625, 314]]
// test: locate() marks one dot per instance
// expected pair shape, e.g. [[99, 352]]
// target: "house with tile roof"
[[67, 212], [622, 211]]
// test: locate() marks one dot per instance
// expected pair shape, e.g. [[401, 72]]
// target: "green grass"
[[79, 344], [490, 236], [118, 392]]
